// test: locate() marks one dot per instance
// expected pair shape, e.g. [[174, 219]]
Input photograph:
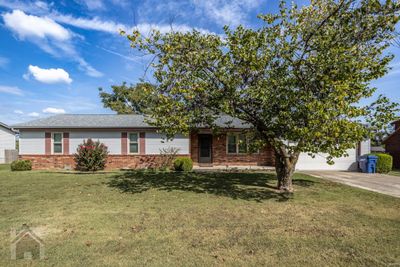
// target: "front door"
[[205, 146]]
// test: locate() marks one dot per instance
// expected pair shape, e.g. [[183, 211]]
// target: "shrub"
[[183, 164], [91, 156], [385, 162], [167, 157], [21, 165]]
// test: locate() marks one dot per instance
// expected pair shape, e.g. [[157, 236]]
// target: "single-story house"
[[132, 143], [7, 140], [392, 144]]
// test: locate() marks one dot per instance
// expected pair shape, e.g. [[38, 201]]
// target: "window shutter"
[[47, 143], [142, 143], [124, 143], [66, 143]]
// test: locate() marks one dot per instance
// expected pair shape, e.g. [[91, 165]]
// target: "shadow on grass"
[[247, 186], [81, 172]]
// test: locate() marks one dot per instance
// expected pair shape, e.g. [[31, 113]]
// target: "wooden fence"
[[10, 155]]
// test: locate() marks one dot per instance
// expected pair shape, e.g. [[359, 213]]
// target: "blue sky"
[[55, 55]]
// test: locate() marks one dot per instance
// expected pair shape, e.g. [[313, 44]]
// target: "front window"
[[237, 143], [57, 143], [242, 143], [232, 148], [133, 143]]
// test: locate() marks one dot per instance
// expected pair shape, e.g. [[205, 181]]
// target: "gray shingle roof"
[[5, 126], [107, 121]]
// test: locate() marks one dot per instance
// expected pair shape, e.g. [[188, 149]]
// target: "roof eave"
[[82, 127], [110, 127]]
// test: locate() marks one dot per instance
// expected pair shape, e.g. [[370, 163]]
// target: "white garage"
[[349, 163], [7, 140]]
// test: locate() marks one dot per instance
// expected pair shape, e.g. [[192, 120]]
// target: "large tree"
[[297, 80], [130, 99]]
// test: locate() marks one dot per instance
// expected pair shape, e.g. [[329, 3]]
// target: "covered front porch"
[[219, 151]]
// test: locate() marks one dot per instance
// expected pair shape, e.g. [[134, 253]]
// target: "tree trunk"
[[285, 165]]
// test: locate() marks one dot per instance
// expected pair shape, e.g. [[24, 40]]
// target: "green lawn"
[[395, 172], [207, 219]]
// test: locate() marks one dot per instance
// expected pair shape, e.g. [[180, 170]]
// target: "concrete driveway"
[[382, 183]]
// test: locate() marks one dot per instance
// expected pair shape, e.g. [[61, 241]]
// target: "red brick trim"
[[124, 143], [66, 143], [47, 143], [220, 157], [142, 143], [43, 162]]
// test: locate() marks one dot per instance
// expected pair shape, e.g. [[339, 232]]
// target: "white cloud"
[[88, 69], [94, 4], [32, 26], [41, 5], [226, 12], [11, 90], [33, 114], [48, 35], [89, 24], [96, 23], [17, 111], [53, 110], [49, 75], [114, 28], [37, 7], [120, 55], [145, 28]]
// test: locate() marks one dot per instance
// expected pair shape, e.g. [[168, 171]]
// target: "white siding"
[[365, 147], [111, 139], [7, 141], [349, 163], [31, 143], [155, 142]]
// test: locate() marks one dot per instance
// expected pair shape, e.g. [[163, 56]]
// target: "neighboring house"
[[392, 144], [377, 149], [132, 143], [7, 140]]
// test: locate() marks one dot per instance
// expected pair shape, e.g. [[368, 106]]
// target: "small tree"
[[298, 80], [168, 156], [91, 156]]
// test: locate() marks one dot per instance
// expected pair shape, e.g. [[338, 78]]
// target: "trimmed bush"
[[385, 162], [91, 156], [21, 165], [183, 164]]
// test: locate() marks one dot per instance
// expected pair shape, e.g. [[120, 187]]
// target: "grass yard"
[[395, 172], [197, 219]]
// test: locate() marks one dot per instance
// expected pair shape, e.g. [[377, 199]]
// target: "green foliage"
[[91, 156], [128, 99], [298, 80], [385, 162], [168, 156], [184, 164], [380, 135], [21, 165]]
